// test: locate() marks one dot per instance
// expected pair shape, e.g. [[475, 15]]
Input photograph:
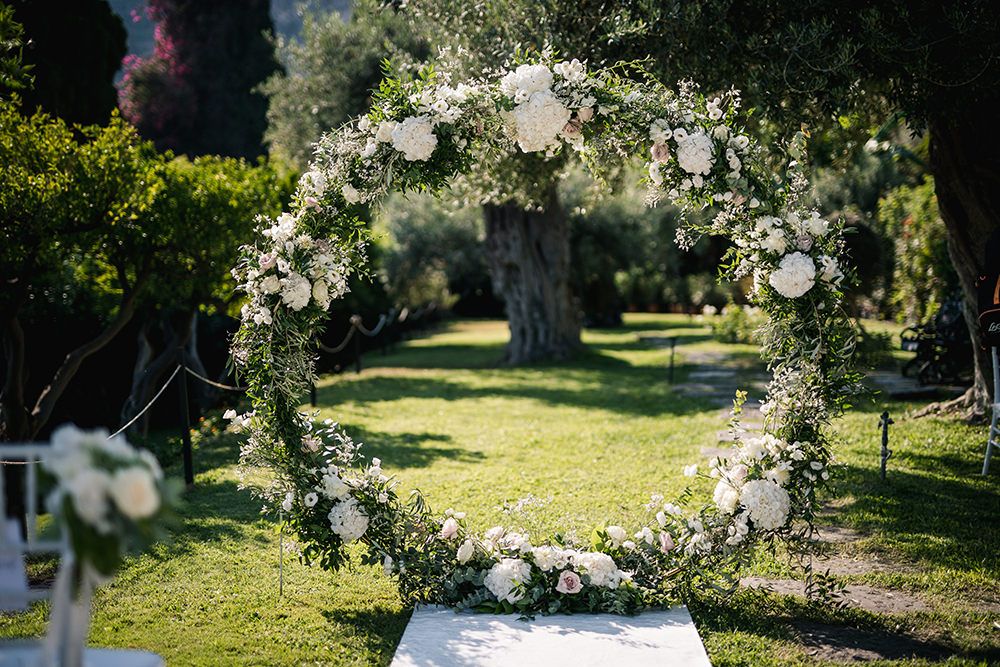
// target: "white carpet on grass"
[[439, 637]]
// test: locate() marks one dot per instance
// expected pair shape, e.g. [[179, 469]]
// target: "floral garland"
[[422, 133]]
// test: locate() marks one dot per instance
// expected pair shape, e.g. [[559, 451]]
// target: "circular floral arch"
[[419, 135]]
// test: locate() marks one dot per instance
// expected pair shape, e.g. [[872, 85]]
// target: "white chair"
[[992, 442], [15, 593], [13, 549]]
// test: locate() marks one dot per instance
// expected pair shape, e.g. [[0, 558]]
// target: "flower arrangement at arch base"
[[420, 134]]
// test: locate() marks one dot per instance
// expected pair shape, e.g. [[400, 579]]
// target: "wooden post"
[[185, 415]]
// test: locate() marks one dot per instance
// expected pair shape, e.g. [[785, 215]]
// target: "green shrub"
[[737, 324]]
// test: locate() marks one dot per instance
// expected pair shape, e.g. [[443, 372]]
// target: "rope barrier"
[[148, 405], [339, 348], [213, 383], [382, 319]]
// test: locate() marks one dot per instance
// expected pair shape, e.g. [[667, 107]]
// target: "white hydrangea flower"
[[767, 502], [539, 120], [505, 578], [414, 138], [334, 487], [601, 568], [296, 291], [526, 79], [695, 152], [348, 520], [795, 275]]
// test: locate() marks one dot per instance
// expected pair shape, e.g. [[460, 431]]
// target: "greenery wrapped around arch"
[[419, 135]]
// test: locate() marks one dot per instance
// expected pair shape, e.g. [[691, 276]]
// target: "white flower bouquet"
[[109, 496]]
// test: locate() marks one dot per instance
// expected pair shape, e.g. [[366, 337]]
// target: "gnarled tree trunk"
[[528, 252], [965, 161]]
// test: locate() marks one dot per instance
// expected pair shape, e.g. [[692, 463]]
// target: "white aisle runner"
[[439, 637]]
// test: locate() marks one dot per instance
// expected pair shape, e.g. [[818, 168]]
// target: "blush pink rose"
[[569, 582], [571, 130], [660, 152], [585, 114], [268, 260], [738, 473], [449, 529], [666, 542]]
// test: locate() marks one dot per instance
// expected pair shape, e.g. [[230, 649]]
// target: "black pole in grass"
[[312, 394], [673, 344], [357, 353], [182, 390], [884, 422]]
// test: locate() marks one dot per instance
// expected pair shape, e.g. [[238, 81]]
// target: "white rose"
[[775, 241], [288, 503], [465, 552], [270, 285], [321, 294], [351, 195], [384, 133], [617, 535], [726, 497], [830, 270], [134, 492], [310, 500], [89, 491]]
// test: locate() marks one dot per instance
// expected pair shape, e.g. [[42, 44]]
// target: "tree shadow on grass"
[[951, 522], [378, 629], [646, 394], [410, 450], [823, 631]]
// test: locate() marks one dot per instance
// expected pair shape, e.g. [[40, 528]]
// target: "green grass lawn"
[[592, 439]]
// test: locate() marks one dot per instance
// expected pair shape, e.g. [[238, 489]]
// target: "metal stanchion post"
[[357, 353], [884, 422], [673, 344], [185, 415]]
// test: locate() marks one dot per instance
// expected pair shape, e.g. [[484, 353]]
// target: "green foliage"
[[874, 348], [330, 71], [206, 210], [73, 212], [738, 324], [924, 275], [13, 72], [431, 252]]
